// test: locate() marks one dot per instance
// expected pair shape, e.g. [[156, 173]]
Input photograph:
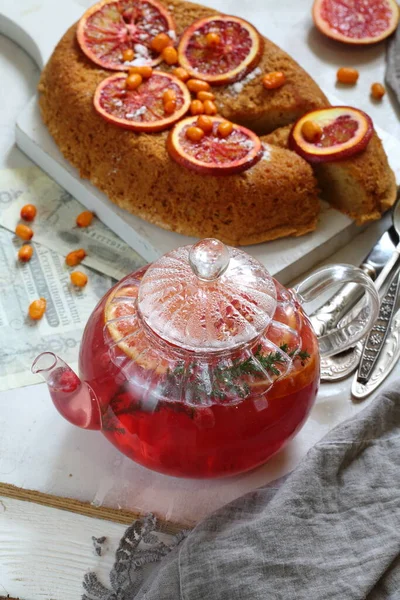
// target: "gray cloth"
[[392, 76], [330, 530]]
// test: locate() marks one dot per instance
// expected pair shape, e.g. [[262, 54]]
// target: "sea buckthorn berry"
[[133, 81], [212, 39], [25, 253], [196, 107], [194, 134], [75, 257], [160, 42], [145, 71], [347, 75], [84, 219], [225, 128], [24, 232], [377, 91], [181, 73], [274, 80], [170, 55], [209, 107], [203, 96], [170, 107], [37, 308], [28, 212], [128, 55], [78, 278], [197, 85], [311, 131], [205, 123], [169, 95]]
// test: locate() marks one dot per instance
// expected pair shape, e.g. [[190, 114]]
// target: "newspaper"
[[55, 226], [46, 274], [61, 328]]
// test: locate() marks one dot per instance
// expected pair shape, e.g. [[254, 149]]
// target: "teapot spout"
[[74, 399]]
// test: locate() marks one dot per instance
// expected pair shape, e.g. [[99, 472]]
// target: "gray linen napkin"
[[392, 76], [330, 530]]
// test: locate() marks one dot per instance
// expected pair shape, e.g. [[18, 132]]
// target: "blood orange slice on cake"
[[213, 155], [220, 50], [333, 133], [142, 109], [118, 34], [358, 21]]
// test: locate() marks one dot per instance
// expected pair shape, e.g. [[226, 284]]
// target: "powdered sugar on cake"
[[142, 57], [172, 35], [236, 88], [137, 113], [267, 152]]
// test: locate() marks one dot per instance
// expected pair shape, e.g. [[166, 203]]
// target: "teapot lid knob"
[[209, 259]]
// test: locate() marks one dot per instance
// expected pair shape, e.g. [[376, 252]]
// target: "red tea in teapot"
[[196, 415]]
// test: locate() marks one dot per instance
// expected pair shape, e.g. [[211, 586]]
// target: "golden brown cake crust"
[[275, 198]]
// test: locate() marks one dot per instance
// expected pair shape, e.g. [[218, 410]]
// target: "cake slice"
[[362, 186]]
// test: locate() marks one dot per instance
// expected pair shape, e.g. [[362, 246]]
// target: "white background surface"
[[38, 450]]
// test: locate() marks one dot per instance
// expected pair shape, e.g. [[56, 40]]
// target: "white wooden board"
[[45, 552], [286, 259]]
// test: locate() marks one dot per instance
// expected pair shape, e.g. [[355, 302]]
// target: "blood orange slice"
[[141, 109], [236, 49], [358, 21], [125, 328], [108, 29], [213, 155], [344, 131]]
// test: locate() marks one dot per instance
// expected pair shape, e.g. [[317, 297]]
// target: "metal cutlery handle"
[[387, 274], [377, 336], [387, 360], [386, 271], [329, 315], [341, 366]]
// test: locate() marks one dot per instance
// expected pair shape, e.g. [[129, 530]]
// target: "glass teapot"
[[201, 364]]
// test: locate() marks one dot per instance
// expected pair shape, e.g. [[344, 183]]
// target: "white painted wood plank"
[[44, 552]]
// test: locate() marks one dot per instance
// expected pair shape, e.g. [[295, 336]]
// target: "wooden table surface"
[[44, 552]]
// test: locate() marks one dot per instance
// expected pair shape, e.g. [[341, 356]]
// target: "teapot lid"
[[207, 297]]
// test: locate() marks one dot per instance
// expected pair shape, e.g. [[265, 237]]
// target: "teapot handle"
[[340, 339]]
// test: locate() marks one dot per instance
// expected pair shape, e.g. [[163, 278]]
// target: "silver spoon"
[[342, 365]]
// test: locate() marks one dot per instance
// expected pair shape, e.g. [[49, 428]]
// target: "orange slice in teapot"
[[122, 323], [329, 134], [213, 155], [220, 49], [142, 109], [109, 31]]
